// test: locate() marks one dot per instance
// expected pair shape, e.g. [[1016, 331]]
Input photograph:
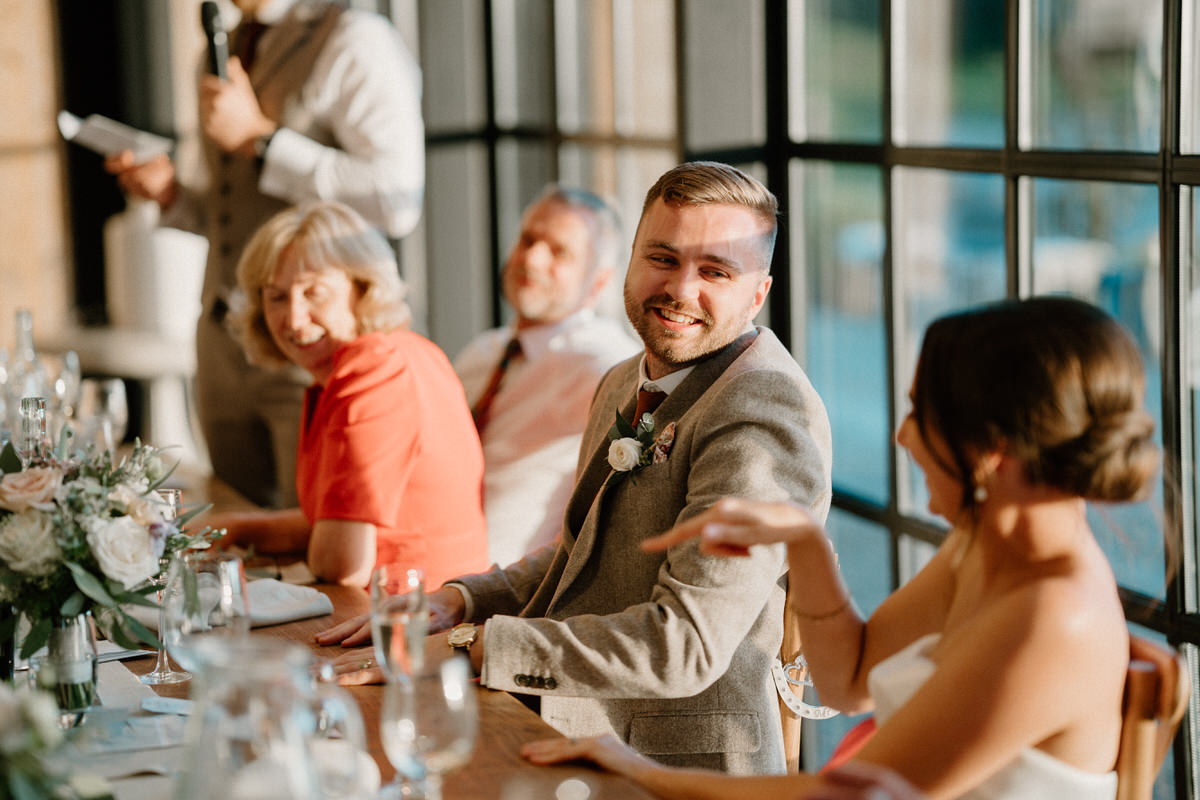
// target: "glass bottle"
[[33, 430]]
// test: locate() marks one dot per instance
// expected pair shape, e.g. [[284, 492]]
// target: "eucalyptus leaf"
[[9, 460], [624, 428], [73, 604], [38, 635], [141, 631], [119, 634], [90, 585], [191, 592]]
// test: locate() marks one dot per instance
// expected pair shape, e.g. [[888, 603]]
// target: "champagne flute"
[[163, 673], [399, 619], [428, 725], [205, 598]]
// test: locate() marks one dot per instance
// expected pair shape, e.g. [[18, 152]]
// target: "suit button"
[[521, 680], [551, 683], [539, 682]]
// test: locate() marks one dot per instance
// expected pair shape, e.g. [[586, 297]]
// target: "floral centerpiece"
[[85, 534], [29, 731]]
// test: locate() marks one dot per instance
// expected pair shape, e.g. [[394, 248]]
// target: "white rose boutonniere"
[[27, 543], [20, 491], [631, 448], [624, 454], [123, 549]]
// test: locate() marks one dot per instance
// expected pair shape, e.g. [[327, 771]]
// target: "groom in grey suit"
[[671, 652]]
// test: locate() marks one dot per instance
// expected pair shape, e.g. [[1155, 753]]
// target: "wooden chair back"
[[1156, 695]]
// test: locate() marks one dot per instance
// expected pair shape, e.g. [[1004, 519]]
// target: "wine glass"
[[399, 619], [163, 673], [103, 412], [205, 598], [428, 726], [336, 738]]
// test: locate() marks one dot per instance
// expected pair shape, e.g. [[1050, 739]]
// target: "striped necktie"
[[484, 403]]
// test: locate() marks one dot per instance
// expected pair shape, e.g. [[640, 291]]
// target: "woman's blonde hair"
[[320, 236]]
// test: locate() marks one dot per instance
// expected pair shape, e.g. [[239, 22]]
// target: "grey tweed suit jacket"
[[669, 651]]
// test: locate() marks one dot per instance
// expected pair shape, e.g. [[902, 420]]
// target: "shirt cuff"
[[291, 158], [483, 665], [468, 603]]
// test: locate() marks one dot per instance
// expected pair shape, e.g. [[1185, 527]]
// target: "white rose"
[[624, 454], [144, 510], [41, 711], [123, 549], [20, 490], [27, 543]]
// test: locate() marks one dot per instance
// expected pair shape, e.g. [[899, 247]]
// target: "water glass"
[[428, 726], [399, 619], [205, 598], [336, 737], [103, 412]]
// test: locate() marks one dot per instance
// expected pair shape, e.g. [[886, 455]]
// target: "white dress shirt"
[[531, 439]]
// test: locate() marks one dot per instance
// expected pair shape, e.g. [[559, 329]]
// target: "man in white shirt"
[[531, 413], [321, 103]]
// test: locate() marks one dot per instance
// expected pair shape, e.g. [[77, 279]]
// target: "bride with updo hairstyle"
[[997, 671], [1057, 379]]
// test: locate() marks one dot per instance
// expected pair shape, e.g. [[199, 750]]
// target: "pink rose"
[[20, 491]]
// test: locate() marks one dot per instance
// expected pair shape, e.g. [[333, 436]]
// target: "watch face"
[[462, 636]]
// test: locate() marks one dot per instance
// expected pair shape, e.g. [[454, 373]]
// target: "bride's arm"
[[666, 782], [839, 646]]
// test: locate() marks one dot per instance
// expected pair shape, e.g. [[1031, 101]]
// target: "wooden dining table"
[[496, 769]]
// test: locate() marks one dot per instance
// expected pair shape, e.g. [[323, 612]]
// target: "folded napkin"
[[274, 602], [271, 602]]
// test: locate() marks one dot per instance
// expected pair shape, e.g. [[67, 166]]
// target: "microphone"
[[218, 42]]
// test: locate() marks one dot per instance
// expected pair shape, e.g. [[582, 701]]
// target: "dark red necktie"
[[647, 403], [247, 44], [484, 403]]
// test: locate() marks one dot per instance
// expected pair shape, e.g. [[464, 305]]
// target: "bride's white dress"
[[1032, 775]]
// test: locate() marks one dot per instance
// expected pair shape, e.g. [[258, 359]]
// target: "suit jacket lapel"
[[583, 511]]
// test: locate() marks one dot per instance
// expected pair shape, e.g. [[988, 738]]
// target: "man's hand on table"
[[359, 666], [446, 609]]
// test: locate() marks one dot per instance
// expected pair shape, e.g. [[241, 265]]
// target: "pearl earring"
[[981, 494]]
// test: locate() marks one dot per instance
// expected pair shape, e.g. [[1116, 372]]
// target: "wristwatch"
[[261, 143], [462, 636]]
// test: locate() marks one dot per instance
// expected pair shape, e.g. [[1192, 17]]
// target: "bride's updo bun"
[[1056, 379]]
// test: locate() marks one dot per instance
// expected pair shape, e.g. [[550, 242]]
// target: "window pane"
[[459, 256], [725, 74], [1189, 84], [948, 254], [1189, 353], [452, 65], [837, 268], [864, 557], [1094, 75], [522, 38], [948, 72], [522, 170], [584, 60], [1099, 241], [616, 70], [828, 101], [621, 174]]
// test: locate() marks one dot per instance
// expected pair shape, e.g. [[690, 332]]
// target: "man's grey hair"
[[603, 220]]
